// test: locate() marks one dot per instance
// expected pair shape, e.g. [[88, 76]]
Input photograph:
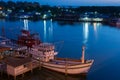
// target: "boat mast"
[[83, 54]]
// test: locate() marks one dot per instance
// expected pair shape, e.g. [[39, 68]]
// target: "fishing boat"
[[28, 39], [69, 66], [45, 54]]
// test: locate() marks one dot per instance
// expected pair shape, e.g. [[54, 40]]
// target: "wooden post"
[[66, 67], [1, 72], [8, 76], [14, 77], [39, 64], [83, 54], [55, 57], [22, 75], [31, 67]]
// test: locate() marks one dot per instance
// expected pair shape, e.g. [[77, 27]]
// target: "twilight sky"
[[76, 2]]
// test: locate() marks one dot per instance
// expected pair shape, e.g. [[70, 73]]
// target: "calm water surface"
[[102, 44]]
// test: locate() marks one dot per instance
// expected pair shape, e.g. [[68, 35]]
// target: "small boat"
[[46, 55], [115, 22]]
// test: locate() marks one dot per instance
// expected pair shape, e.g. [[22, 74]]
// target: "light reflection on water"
[[85, 33], [102, 41], [26, 24], [48, 31], [51, 31], [96, 27], [45, 32]]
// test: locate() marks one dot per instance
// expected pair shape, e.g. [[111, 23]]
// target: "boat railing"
[[75, 60], [68, 59], [89, 61]]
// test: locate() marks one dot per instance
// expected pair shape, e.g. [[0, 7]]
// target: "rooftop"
[[2, 49], [17, 61]]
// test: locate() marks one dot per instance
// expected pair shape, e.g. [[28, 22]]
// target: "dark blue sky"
[[77, 2]]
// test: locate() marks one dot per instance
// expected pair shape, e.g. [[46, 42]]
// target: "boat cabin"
[[43, 52], [28, 39]]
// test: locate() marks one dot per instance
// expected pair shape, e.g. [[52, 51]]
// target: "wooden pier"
[[19, 65]]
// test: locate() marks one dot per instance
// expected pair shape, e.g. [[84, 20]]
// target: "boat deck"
[[64, 62]]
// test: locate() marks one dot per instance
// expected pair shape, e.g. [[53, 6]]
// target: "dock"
[[15, 66]]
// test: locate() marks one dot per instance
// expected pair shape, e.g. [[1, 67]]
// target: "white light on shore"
[[44, 16]]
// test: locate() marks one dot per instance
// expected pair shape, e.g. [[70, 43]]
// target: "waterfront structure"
[[67, 16], [115, 22], [93, 17], [7, 43], [2, 50], [18, 65]]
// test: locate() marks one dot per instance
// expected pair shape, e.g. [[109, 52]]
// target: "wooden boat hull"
[[69, 69]]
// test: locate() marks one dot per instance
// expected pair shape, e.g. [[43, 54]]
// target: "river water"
[[102, 43]]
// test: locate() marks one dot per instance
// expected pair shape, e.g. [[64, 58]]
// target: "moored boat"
[[115, 22], [46, 55], [28, 39], [69, 66]]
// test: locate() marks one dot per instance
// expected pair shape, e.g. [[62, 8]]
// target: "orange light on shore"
[[0, 8]]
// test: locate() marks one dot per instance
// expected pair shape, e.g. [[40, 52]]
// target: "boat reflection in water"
[[52, 75], [46, 74]]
